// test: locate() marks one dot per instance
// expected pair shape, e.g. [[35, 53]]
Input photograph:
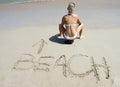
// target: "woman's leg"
[[80, 30], [61, 30]]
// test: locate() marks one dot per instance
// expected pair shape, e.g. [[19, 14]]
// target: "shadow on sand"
[[59, 40]]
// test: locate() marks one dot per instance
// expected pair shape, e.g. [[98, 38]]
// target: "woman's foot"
[[59, 36], [80, 37]]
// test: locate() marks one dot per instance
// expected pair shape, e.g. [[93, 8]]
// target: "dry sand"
[[31, 55]]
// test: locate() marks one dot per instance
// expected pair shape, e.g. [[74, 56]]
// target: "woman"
[[71, 26]]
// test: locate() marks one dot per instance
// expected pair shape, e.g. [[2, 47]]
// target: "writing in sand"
[[43, 63]]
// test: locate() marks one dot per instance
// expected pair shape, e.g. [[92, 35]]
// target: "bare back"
[[70, 23]]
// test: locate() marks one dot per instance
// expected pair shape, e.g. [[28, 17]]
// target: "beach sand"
[[32, 55]]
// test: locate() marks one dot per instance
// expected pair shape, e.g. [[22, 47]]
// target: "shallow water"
[[94, 15], [18, 1], [10, 1]]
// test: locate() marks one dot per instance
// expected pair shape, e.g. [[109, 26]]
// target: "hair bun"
[[72, 4]]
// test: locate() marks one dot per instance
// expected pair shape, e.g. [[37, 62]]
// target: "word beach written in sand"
[[43, 63]]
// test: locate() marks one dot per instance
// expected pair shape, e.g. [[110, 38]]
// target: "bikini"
[[68, 37]]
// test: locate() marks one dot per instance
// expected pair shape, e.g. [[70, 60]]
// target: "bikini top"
[[71, 24]]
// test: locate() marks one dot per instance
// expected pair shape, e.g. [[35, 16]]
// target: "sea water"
[[20, 1], [12, 1], [103, 15]]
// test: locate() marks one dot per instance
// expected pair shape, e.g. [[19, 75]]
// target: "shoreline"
[[23, 2], [38, 14]]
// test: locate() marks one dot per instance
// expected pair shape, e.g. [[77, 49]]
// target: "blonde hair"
[[71, 5]]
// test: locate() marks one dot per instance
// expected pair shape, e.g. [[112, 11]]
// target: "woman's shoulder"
[[75, 15]]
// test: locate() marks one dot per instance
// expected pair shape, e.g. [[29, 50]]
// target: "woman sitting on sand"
[[71, 27]]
